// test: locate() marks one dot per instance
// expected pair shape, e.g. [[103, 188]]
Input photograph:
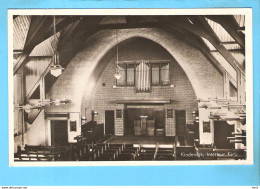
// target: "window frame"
[[169, 76], [125, 66], [151, 74], [134, 66]]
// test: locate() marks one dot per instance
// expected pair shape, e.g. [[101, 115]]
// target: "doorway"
[[109, 122], [180, 116], [222, 130], [59, 132]]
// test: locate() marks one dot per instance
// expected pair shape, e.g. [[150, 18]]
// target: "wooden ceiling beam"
[[230, 25], [196, 42], [201, 28], [38, 33], [36, 28], [75, 37], [67, 33]]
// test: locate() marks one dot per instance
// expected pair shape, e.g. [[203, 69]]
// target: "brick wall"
[[193, 76], [182, 94], [78, 79]]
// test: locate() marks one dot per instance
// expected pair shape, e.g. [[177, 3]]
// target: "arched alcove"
[[76, 80], [105, 93]]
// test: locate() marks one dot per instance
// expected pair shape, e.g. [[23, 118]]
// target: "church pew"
[[128, 153], [164, 154], [108, 152], [146, 154]]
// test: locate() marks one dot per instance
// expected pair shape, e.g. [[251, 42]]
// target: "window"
[[165, 74], [160, 74], [130, 75], [144, 74], [155, 74], [232, 90]]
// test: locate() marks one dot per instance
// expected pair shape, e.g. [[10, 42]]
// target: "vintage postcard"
[[93, 87]]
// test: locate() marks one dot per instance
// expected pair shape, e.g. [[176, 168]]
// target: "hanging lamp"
[[55, 69], [117, 74]]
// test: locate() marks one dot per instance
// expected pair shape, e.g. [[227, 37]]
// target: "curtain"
[[142, 78]]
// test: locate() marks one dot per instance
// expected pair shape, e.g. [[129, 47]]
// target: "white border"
[[208, 11]]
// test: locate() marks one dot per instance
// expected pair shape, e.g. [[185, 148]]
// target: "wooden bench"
[[146, 154], [164, 154]]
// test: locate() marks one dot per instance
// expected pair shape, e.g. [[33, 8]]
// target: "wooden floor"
[[141, 140]]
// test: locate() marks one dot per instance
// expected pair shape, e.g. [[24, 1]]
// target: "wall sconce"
[[94, 114], [195, 115], [83, 120]]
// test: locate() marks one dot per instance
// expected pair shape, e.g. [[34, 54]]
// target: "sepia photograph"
[[130, 87]]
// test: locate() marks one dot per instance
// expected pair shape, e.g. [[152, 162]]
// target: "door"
[[109, 122], [180, 116], [222, 130], [159, 119], [59, 132]]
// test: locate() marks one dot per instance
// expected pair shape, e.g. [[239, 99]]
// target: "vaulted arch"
[[77, 76]]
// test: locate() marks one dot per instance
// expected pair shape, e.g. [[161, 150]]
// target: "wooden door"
[[59, 132], [222, 130], [180, 116], [159, 119], [109, 122]]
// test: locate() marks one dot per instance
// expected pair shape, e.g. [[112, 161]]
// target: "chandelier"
[[55, 69]]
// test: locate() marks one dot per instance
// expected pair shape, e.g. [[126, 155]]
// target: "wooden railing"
[[44, 153]]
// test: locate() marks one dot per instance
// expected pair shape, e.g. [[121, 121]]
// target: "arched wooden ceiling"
[[219, 38]]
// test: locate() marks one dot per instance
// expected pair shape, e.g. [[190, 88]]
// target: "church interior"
[[129, 88]]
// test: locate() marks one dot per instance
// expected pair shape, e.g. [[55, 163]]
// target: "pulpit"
[[144, 127]]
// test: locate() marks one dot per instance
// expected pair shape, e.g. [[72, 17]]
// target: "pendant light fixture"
[[55, 69], [117, 74]]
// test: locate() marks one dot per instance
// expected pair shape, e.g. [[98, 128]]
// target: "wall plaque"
[[206, 127], [169, 113], [73, 126], [118, 113]]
